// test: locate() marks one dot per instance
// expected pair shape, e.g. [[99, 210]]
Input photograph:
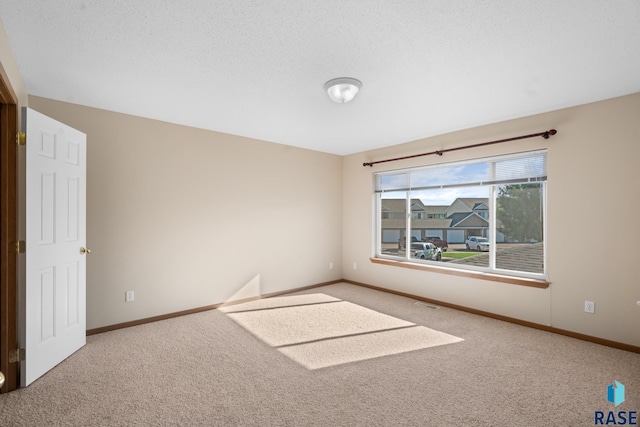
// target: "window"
[[490, 211], [436, 216]]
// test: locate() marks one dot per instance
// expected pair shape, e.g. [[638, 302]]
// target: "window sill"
[[494, 277]]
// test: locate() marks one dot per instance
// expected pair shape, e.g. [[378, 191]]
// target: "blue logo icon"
[[615, 393]]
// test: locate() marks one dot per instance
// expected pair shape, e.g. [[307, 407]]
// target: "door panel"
[[54, 306], [455, 236]]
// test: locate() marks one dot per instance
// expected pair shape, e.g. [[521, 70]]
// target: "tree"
[[519, 212]]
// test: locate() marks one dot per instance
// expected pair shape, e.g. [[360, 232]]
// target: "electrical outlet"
[[355, 266], [128, 296], [330, 266], [589, 307]]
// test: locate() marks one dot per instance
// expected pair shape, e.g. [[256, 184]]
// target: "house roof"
[[397, 205], [257, 69], [466, 219], [457, 219], [436, 209], [394, 205], [473, 202]]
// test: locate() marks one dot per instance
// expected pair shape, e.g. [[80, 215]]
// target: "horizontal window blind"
[[510, 169]]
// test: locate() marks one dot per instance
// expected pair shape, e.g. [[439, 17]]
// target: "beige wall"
[[188, 218], [593, 231]]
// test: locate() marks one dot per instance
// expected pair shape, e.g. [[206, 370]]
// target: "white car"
[[476, 243], [425, 250]]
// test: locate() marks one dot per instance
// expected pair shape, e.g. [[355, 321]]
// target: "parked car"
[[442, 244], [476, 243], [425, 250]]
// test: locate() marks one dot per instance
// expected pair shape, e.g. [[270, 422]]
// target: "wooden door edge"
[[8, 233]]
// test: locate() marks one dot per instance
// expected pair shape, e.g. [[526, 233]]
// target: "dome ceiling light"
[[342, 89]]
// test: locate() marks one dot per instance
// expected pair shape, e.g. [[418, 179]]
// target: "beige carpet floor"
[[318, 330], [224, 368]]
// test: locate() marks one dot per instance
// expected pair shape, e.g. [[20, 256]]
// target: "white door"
[[53, 311]]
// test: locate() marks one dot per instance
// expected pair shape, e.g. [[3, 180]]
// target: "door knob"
[[85, 251], [1, 379]]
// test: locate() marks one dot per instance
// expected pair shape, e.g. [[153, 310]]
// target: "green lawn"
[[459, 255]]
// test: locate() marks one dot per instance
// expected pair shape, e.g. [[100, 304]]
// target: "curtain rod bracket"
[[545, 135]]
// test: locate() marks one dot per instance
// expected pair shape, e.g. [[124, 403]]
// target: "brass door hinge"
[[17, 355], [21, 138], [21, 247]]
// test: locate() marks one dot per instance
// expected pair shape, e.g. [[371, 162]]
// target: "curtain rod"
[[545, 135]]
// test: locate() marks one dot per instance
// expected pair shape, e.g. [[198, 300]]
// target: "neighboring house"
[[454, 223], [479, 206]]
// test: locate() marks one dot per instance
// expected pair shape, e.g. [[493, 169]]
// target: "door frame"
[[8, 232]]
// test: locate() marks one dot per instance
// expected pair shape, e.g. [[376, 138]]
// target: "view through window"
[[486, 214]]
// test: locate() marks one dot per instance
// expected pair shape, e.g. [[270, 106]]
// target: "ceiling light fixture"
[[343, 89]]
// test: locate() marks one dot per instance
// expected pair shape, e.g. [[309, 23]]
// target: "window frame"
[[491, 272]]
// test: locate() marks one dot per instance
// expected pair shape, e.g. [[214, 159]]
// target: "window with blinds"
[[484, 214], [521, 168]]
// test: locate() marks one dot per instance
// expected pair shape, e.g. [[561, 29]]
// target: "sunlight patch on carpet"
[[325, 353], [318, 330], [279, 302]]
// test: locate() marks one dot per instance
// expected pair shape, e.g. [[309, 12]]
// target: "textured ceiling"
[[257, 68]]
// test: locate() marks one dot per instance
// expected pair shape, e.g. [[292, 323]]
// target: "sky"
[[466, 176], [439, 176]]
